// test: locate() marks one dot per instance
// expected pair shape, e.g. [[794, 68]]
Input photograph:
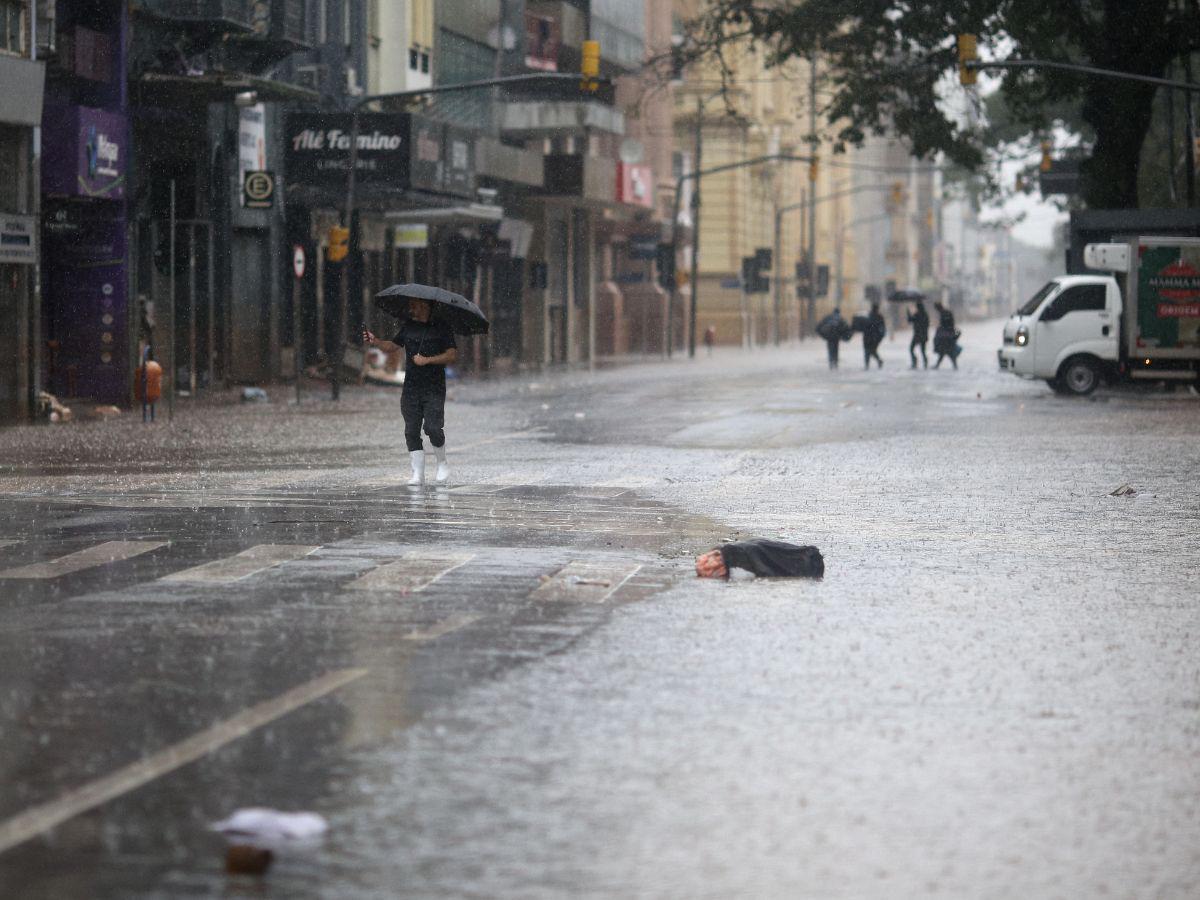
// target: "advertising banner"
[[1168, 310], [317, 149], [85, 152]]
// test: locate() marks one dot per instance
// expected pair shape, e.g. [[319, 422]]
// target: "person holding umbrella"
[[428, 348], [430, 317]]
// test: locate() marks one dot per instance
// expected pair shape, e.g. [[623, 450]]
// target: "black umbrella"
[[906, 296], [463, 316]]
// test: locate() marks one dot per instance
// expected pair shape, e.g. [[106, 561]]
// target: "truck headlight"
[[1022, 336]]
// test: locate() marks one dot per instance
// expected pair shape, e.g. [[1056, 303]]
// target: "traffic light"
[[339, 243], [802, 276], [897, 196], [813, 166], [589, 66], [822, 281], [1046, 162], [754, 281], [665, 257], [967, 52]]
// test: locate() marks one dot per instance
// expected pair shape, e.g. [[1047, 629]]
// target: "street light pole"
[[693, 285], [811, 251]]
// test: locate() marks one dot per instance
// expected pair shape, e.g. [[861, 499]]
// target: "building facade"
[[22, 74]]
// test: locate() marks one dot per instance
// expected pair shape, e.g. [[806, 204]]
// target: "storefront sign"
[[318, 149], [459, 149], [18, 239], [427, 166], [85, 152], [643, 246], [443, 158], [258, 190], [252, 143], [635, 184], [411, 237]]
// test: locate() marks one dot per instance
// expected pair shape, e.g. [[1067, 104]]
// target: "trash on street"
[[272, 829]]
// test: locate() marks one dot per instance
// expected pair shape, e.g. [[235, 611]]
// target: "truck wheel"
[[1079, 376]]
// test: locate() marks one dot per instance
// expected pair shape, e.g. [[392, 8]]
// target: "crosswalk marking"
[[411, 573], [4, 544], [445, 627], [242, 565], [583, 582], [37, 819], [99, 555]]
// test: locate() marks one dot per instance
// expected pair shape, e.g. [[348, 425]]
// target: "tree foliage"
[[888, 61]]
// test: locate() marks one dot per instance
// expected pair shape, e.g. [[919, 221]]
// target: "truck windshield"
[[1036, 300]]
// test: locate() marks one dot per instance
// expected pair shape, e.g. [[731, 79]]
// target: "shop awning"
[[463, 214]]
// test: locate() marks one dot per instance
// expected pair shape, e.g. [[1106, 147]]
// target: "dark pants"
[[427, 406], [918, 341], [871, 351], [832, 347]]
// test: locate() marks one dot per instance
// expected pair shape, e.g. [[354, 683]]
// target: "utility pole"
[[695, 277], [812, 195], [1191, 134], [778, 268]]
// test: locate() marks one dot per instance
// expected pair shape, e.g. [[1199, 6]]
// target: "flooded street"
[[514, 685]]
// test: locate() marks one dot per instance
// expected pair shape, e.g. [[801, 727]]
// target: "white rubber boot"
[[417, 457], [443, 469]]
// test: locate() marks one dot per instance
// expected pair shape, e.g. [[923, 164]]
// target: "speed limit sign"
[[298, 260]]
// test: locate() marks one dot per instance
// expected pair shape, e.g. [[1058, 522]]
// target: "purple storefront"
[[86, 316]]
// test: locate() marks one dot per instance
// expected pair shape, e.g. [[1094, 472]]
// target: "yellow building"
[[764, 111]]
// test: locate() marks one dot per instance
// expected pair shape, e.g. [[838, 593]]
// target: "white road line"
[[583, 582], [628, 484], [100, 555], [242, 565], [412, 573], [37, 819], [445, 627]]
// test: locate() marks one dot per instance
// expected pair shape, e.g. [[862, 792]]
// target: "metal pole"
[[171, 338], [339, 349], [212, 315], [192, 309], [695, 279], [978, 66], [673, 297], [1191, 136], [778, 270], [812, 199], [297, 338]]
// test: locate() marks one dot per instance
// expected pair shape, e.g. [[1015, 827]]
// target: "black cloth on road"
[[773, 559], [425, 339]]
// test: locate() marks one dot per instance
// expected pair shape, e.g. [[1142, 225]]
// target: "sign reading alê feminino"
[[317, 149]]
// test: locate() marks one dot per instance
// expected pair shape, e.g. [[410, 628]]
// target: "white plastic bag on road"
[[271, 828]]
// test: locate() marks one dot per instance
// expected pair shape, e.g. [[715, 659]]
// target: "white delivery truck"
[[1141, 322]]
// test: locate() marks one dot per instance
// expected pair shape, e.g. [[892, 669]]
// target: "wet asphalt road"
[[514, 686]]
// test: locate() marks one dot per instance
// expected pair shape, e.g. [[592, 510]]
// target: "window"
[[1036, 300], [322, 17], [414, 56], [12, 26], [1081, 298]]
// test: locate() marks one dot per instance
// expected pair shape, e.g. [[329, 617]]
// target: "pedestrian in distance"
[[429, 347], [873, 333], [919, 319], [710, 338], [833, 330], [945, 339]]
